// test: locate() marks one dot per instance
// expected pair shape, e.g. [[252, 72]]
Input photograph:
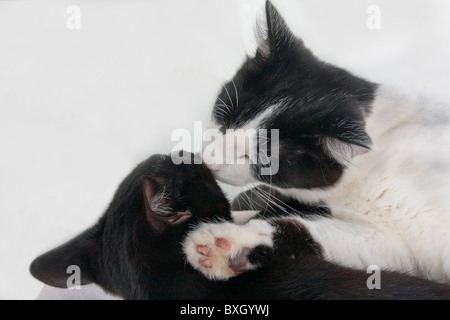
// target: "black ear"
[[344, 146], [159, 206], [76, 258], [344, 137], [342, 151], [274, 36]]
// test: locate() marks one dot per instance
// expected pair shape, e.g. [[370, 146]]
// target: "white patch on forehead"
[[231, 161], [253, 124]]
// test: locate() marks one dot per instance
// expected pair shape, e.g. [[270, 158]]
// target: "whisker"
[[227, 107], [284, 203], [237, 96], [229, 97]]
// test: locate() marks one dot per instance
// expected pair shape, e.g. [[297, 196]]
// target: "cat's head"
[[142, 229], [312, 115]]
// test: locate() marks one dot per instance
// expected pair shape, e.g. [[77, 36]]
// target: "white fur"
[[227, 165], [242, 217], [391, 207], [250, 235]]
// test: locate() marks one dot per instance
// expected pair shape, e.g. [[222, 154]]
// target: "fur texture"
[[378, 157], [135, 250]]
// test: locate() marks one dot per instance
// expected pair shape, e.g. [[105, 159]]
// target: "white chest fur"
[[392, 206]]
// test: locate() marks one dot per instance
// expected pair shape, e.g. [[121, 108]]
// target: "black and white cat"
[[135, 249], [378, 157]]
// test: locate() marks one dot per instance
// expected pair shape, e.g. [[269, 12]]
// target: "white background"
[[80, 108]]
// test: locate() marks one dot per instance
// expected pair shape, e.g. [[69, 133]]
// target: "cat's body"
[[397, 194], [378, 157], [387, 207], [135, 250]]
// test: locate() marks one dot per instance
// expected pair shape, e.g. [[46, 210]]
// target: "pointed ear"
[[159, 207], [343, 150], [56, 267], [273, 34]]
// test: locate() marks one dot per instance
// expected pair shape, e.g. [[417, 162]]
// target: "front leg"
[[244, 216], [221, 251], [224, 250]]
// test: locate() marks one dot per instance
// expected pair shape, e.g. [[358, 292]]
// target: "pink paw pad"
[[205, 263], [223, 244], [205, 251]]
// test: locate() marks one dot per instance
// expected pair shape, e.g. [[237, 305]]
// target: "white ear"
[[262, 36], [343, 152]]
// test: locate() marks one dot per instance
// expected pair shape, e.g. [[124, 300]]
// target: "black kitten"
[[135, 250]]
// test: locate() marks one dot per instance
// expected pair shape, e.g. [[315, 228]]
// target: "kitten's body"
[[135, 250], [389, 204], [390, 207]]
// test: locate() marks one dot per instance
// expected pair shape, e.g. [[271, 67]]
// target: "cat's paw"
[[221, 250]]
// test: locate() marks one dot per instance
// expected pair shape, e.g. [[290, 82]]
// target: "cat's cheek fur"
[[235, 174], [215, 263]]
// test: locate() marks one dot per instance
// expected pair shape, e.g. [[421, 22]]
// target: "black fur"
[[315, 101], [295, 269], [135, 249]]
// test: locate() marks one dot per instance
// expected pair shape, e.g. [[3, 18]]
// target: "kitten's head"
[[139, 237], [318, 109]]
